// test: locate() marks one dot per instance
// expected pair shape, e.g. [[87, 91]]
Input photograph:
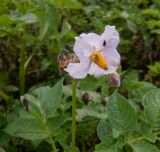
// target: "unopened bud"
[[114, 79]]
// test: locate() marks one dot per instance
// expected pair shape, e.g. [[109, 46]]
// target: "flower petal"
[[93, 39], [78, 70], [111, 55], [82, 46], [81, 56], [110, 37], [96, 71]]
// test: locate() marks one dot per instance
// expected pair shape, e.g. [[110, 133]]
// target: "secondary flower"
[[97, 54]]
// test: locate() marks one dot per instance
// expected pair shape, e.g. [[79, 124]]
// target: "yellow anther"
[[97, 58]]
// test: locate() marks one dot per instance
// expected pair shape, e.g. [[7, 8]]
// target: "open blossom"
[[97, 54]]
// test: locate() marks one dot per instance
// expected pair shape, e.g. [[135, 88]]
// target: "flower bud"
[[114, 79]]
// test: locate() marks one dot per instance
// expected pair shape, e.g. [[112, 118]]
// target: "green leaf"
[[5, 20], [104, 131], [74, 4], [10, 88], [151, 12], [91, 83], [153, 24], [156, 31], [151, 103], [71, 4], [132, 75], [72, 149], [105, 147], [154, 70], [4, 138], [26, 128], [147, 133], [68, 91], [49, 20], [89, 126], [140, 146], [29, 18], [121, 113], [66, 27], [130, 82], [132, 26], [49, 98], [44, 101], [95, 97], [116, 133], [141, 91], [2, 150], [92, 110], [34, 106], [55, 122], [120, 141]]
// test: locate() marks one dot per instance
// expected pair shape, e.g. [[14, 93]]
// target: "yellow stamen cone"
[[97, 58]]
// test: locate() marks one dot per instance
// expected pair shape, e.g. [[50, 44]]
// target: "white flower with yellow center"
[[97, 54]]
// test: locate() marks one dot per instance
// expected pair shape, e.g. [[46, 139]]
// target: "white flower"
[[97, 54]]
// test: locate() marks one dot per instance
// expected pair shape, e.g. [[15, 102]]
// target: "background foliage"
[[34, 32]]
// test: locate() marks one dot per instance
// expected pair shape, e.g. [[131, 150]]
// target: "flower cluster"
[[97, 54]]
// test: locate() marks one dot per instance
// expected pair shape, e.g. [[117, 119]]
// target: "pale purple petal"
[[111, 55], [81, 56], [82, 46], [110, 37], [93, 39], [96, 71], [78, 70]]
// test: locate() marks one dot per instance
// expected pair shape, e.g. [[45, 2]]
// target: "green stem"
[[50, 137], [22, 68], [52, 142], [74, 83]]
